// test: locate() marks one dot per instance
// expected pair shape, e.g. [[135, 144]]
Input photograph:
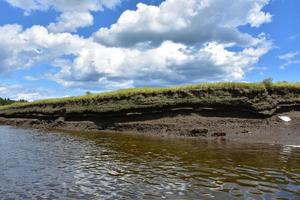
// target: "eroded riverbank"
[[209, 125], [243, 112]]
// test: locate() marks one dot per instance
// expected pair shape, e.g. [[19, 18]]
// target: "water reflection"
[[111, 166]]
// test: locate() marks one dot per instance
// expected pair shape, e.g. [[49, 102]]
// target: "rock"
[[285, 118], [113, 173], [60, 119], [218, 134], [198, 132]]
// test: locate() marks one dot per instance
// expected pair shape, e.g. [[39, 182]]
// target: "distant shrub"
[[88, 93], [268, 82], [22, 101], [5, 101]]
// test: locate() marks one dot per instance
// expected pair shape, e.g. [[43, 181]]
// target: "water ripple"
[[40, 165]]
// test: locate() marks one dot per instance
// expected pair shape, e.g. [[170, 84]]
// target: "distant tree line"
[[7, 101]]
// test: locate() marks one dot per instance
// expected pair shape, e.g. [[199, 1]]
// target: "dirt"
[[265, 101], [240, 127]]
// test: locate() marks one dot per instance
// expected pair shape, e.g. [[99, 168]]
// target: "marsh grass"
[[125, 93]]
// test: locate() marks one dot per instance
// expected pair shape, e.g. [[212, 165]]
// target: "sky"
[[59, 48]]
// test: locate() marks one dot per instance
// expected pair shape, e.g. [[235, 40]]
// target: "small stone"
[[60, 119], [219, 134], [285, 118], [198, 132], [113, 173], [245, 131]]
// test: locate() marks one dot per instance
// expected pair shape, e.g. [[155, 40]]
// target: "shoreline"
[[210, 125], [243, 112]]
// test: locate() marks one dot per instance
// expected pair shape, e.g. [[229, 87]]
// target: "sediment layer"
[[246, 129], [261, 101], [242, 113]]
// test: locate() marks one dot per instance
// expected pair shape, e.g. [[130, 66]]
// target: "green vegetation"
[[7, 101], [268, 82], [88, 93], [260, 97]]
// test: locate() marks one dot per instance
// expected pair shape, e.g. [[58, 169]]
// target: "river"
[[56, 165]]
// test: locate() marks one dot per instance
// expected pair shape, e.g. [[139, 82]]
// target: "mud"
[[206, 124]]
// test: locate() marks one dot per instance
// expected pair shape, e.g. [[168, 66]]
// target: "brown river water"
[[55, 165]]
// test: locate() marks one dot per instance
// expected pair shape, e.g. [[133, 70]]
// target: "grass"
[[125, 93]]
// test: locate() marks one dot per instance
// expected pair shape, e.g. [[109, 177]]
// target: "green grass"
[[135, 91]]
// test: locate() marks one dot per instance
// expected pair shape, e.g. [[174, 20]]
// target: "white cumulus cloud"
[[83, 63], [74, 14], [179, 41], [186, 21], [17, 92]]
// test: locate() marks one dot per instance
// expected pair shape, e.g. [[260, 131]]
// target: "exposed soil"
[[207, 124], [262, 101]]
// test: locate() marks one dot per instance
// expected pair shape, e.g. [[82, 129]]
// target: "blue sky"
[[55, 48]]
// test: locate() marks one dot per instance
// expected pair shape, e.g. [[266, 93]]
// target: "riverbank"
[[270, 130], [244, 112]]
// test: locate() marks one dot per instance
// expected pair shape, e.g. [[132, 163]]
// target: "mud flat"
[[247, 130], [228, 111]]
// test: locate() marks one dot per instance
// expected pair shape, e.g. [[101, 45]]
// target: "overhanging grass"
[[134, 91]]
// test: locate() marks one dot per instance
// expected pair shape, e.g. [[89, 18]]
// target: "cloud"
[[73, 14], [177, 42], [289, 58], [189, 22], [10, 58], [17, 92], [289, 55], [293, 37], [84, 63], [24, 48], [71, 21]]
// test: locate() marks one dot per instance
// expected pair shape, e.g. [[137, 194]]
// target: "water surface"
[[53, 165]]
